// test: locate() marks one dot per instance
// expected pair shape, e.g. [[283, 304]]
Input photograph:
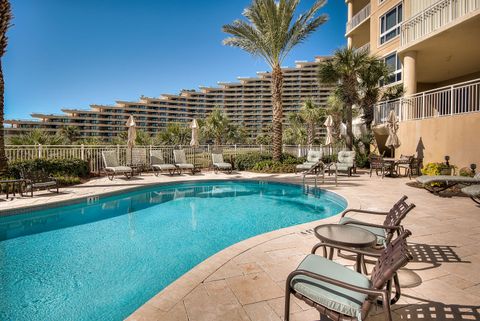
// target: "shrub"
[[433, 169], [68, 180], [263, 162], [466, 171], [54, 167], [248, 160], [271, 166]]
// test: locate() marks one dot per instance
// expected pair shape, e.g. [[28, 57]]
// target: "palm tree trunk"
[[3, 159], [310, 133], [277, 88], [349, 140]]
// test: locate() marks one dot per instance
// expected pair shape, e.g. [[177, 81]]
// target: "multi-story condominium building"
[[246, 102], [433, 49]]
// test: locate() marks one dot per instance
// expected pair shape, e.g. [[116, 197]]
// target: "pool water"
[[103, 261]]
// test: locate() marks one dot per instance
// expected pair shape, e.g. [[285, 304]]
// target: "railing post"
[[118, 152], [82, 152], [261, 148], [299, 150], [452, 100], [283, 148], [423, 106], [39, 151]]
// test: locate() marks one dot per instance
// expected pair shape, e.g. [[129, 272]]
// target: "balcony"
[[360, 17], [461, 98], [434, 17], [365, 47]]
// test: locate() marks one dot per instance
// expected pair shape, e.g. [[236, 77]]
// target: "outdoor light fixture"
[[447, 158], [473, 167]]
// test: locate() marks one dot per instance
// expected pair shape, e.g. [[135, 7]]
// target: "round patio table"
[[348, 236]]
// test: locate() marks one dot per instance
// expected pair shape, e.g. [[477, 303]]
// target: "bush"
[[466, 171], [55, 167], [271, 166], [263, 162], [248, 160], [433, 169], [68, 180]]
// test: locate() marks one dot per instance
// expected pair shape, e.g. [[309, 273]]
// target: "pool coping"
[[175, 292]]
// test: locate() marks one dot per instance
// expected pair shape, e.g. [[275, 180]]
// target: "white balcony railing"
[[365, 47], [452, 100], [434, 17], [357, 19]]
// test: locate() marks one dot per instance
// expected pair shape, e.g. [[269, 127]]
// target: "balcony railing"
[[452, 100], [436, 16], [365, 47], [357, 19]]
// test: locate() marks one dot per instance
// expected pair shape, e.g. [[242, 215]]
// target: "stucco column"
[[410, 72], [349, 42], [350, 9]]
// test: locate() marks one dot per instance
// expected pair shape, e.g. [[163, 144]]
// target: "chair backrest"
[[139, 156], [398, 212], [156, 157], [110, 158], [179, 156], [314, 156], [376, 161], [217, 158], [395, 256], [35, 176], [346, 157]]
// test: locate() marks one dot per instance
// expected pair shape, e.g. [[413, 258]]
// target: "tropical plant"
[[345, 69], [265, 137], [393, 92], [217, 127], [91, 141], [296, 132], [175, 134], [312, 115], [5, 23], [143, 138], [71, 134], [271, 33], [36, 137]]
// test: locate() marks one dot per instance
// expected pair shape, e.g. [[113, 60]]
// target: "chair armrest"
[[344, 248], [386, 227], [348, 286], [364, 212]]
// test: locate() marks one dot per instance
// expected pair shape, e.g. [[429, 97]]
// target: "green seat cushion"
[[332, 297], [380, 233]]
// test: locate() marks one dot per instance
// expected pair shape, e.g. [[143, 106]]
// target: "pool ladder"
[[318, 170]]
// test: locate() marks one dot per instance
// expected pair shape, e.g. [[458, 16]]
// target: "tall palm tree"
[[5, 19], [36, 137], [345, 69], [312, 116], [271, 33], [217, 126], [174, 134]]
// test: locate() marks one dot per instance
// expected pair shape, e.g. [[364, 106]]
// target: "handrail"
[[360, 17]]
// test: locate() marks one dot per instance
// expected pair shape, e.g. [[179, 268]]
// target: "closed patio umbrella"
[[330, 140], [132, 134], [194, 141], [392, 125]]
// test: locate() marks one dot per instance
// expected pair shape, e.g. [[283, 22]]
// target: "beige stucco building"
[[433, 48], [247, 102]]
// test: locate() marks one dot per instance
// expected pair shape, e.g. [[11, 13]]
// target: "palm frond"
[[5, 23]]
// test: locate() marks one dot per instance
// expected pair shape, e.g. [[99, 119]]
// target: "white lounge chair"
[[314, 160], [446, 181], [112, 165], [157, 162], [181, 161], [219, 164], [474, 192]]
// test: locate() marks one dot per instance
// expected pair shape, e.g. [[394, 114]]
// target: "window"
[[395, 65], [390, 24]]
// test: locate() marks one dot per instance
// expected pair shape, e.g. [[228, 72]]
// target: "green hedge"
[[264, 163], [55, 167]]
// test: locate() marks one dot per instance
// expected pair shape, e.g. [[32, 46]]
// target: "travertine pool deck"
[[247, 280]]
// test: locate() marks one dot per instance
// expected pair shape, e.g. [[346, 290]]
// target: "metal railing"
[[357, 19], [365, 48], [434, 17], [451, 100], [201, 155]]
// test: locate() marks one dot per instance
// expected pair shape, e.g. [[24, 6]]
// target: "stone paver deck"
[[247, 280]]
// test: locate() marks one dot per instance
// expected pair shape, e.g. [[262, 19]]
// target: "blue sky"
[[70, 54]]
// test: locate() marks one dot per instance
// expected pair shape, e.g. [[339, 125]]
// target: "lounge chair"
[[405, 163], [473, 191], [219, 164], [181, 161], [391, 224], [346, 162], [38, 180], [157, 162], [341, 293], [139, 159], [446, 182], [378, 164], [314, 160], [112, 166]]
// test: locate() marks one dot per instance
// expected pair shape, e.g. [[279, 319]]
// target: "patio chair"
[[446, 182], [181, 161], [314, 160], [219, 164], [139, 158], [112, 166], [340, 293], [378, 164], [157, 162], [473, 191], [346, 162], [38, 180], [405, 163], [391, 224]]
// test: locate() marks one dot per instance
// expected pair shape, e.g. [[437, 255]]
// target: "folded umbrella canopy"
[[329, 124], [132, 132], [392, 125]]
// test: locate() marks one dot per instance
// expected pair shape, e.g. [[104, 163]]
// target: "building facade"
[[246, 102], [433, 49]]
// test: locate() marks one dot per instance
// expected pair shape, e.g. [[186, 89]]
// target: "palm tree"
[[271, 33], [36, 137], [295, 133], [312, 116], [174, 134], [217, 126], [345, 69], [5, 18], [70, 133]]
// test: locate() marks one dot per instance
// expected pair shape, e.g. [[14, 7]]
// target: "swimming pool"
[[103, 261]]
